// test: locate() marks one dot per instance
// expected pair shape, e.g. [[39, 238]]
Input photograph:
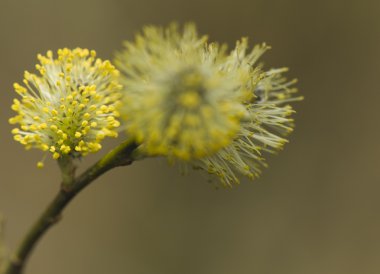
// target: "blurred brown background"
[[315, 210]]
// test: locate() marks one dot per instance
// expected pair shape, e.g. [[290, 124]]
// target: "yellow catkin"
[[59, 105], [194, 102]]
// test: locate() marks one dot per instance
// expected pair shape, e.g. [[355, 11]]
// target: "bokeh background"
[[315, 210]]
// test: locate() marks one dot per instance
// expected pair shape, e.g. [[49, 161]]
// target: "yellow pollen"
[[189, 99]]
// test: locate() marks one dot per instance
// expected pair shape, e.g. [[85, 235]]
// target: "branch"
[[120, 156]]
